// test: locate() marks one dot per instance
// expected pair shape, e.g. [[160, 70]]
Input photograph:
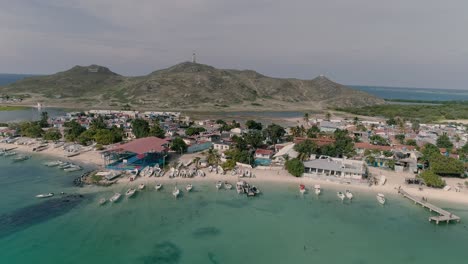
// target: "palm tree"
[[306, 118], [328, 116], [213, 157]]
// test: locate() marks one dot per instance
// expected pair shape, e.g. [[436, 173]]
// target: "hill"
[[188, 86]]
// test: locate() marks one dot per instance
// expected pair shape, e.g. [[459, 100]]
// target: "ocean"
[[423, 94], [209, 226]]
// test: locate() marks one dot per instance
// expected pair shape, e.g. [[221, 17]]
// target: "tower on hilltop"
[[194, 57]]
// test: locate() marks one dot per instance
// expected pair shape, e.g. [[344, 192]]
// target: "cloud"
[[396, 42]]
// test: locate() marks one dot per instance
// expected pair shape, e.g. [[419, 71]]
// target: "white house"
[[334, 167]]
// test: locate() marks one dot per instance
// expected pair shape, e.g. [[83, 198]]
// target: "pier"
[[444, 216]]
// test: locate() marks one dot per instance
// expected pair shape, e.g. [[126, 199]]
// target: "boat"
[[130, 192], [44, 195], [175, 192], [349, 194], [302, 188], [73, 168], [158, 187], [227, 185], [382, 180], [10, 153], [240, 186], [340, 195], [141, 186], [210, 168], [53, 163], [381, 198], [219, 184], [65, 165], [189, 187], [102, 201], [115, 197], [317, 188], [21, 158]]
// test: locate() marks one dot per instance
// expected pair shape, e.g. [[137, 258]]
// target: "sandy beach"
[[394, 180]]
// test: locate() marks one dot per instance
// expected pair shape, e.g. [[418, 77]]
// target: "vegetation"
[[74, 130], [295, 167], [378, 140], [274, 132], [242, 156], [432, 179], [411, 142], [52, 134], [194, 131], [306, 148], [422, 113], [30, 129], [447, 166], [254, 138], [140, 128], [178, 145], [157, 131], [313, 131], [251, 124], [443, 141], [400, 138], [12, 108], [43, 122]]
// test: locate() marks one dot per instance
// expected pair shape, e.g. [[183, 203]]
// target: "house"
[[263, 153], [334, 167], [327, 126], [222, 146], [284, 153]]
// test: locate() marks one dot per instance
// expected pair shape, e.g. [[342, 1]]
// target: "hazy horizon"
[[363, 42]]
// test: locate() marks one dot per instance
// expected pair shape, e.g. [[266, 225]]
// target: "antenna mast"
[[194, 57]]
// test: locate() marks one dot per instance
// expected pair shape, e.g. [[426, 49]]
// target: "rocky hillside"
[[189, 86]]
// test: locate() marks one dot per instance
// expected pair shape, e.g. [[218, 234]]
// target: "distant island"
[[185, 86]]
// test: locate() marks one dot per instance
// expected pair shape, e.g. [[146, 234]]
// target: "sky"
[[406, 43]]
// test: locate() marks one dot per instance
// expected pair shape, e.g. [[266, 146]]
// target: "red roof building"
[[145, 145]]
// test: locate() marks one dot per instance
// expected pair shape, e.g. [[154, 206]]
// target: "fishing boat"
[[219, 184], [381, 198], [102, 201], [10, 153], [227, 185], [141, 187], [65, 165], [317, 188], [44, 195], [73, 168], [189, 187], [53, 163], [176, 192], [21, 158], [115, 197], [349, 195], [340, 195], [158, 187], [302, 188], [130, 192], [240, 186]]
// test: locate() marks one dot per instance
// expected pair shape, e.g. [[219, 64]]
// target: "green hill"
[[187, 86]]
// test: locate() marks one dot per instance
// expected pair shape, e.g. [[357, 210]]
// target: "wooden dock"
[[444, 216]]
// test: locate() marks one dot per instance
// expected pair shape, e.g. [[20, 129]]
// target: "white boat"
[[317, 188], [53, 163], [227, 185], [382, 180], [102, 201], [219, 184], [240, 186], [302, 188], [447, 188], [210, 168], [130, 192], [21, 158], [115, 197], [381, 198], [44, 195], [141, 187], [340, 195], [158, 187], [73, 168], [189, 187], [175, 192], [349, 194], [10, 153]]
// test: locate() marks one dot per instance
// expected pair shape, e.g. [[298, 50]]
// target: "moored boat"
[[44, 195], [158, 187], [381, 198], [102, 201], [349, 195], [340, 195], [302, 188], [53, 163], [73, 168], [130, 192], [317, 188], [227, 185], [115, 197], [141, 186], [176, 192], [219, 184], [189, 187], [10, 153], [21, 158]]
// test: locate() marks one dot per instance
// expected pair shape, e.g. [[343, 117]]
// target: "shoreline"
[[394, 180]]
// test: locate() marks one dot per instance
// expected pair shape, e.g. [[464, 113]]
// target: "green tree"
[[355, 120], [378, 140], [313, 131], [107, 136], [31, 129], [391, 121], [239, 142], [157, 131], [178, 145], [295, 167], [274, 132], [447, 166], [254, 138], [194, 131], [431, 179], [44, 119], [344, 145], [415, 125], [306, 118], [140, 128], [52, 134], [251, 124], [86, 137], [328, 116], [97, 123], [443, 141], [411, 142], [74, 130], [430, 151], [400, 138], [213, 157], [306, 148]]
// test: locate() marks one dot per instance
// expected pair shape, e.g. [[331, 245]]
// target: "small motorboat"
[[44, 195], [349, 195], [189, 187], [73, 168], [102, 201], [219, 184], [340, 195], [53, 163], [158, 187], [240, 187], [381, 198], [227, 185], [255, 189], [141, 187], [115, 197], [21, 158], [317, 188], [130, 192], [302, 188], [176, 192]]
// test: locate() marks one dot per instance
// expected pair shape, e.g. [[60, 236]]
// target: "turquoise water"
[[209, 226], [424, 94]]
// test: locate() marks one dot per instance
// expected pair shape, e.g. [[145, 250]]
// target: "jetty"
[[444, 216]]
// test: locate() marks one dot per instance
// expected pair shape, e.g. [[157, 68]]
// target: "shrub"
[[295, 167], [432, 180]]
